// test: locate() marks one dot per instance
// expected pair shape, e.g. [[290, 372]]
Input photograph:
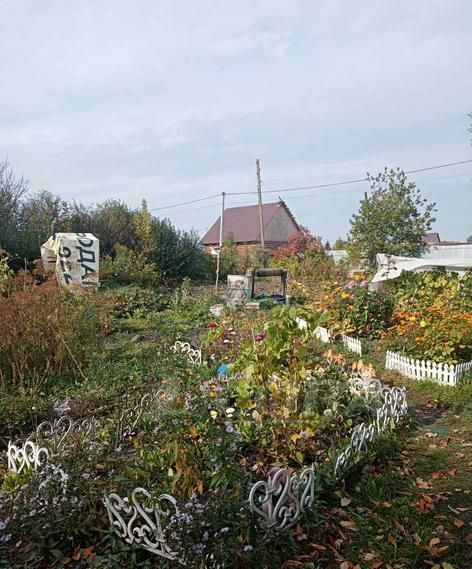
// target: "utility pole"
[[261, 215], [221, 240]]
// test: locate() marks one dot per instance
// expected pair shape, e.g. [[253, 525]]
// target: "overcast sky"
[[173, 101]]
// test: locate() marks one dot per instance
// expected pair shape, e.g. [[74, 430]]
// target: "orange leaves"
[[425, 503]]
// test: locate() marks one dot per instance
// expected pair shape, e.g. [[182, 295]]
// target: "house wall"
[[280, 227], [463, 251]]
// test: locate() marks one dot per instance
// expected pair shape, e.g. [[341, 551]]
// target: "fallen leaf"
[[392, 540], [87, 552], [345, 501], [318, 547], [422, 484], [458, 523], [349, 525]]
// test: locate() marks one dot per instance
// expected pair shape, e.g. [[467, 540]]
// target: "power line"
[[346, 182], [317, 186], [185, 203]]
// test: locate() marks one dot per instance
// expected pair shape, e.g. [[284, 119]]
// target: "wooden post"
[[261, 214], [221, 240]]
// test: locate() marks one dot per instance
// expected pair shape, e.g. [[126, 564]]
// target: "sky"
[[173, 101]]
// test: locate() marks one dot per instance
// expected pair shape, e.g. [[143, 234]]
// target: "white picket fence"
[[323, 334], [425, 369], [353, 344]]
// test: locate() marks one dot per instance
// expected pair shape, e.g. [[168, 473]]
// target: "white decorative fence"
[[49, 439], [425, 369], [194, 356], [353, 344], [323, 334], [139, 519], [280, 500], [393, 408], [284, 496]]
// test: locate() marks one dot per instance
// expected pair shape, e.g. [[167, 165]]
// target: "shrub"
[[45, 332], [134, 301], [433, 316], [353, 309], [128, 267]]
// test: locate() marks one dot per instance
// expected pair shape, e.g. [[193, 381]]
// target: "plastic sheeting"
[[391, 266]]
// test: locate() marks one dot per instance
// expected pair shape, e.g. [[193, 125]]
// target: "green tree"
[[339, 244], [12, 190], [112, 222], [392, 219], [469, 239], [40, 215], [177, 254], [142, 222], [229, 257]]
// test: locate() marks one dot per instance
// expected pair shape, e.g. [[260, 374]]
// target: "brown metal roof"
[[431, 238], [243, 223]]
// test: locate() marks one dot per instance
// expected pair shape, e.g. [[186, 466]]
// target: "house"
[[431, 238], [435, 248], [243, 224]]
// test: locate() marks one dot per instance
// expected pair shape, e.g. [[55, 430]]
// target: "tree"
[[39, 216], [12, 190], [393, 219], [112, 222], [299, 245], [339, 244], [177, 254], [142, 222], [469, 239]]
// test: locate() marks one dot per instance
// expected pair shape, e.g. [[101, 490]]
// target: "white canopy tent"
[[391, 266]]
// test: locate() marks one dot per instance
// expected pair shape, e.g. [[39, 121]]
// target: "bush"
[[128, 267], [353, 309], [45, 332], [135, 302], [433, 316]]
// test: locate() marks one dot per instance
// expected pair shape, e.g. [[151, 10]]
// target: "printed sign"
[[74, 257]]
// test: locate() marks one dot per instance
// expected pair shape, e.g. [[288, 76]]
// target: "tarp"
[[74, 257], [391, 266]]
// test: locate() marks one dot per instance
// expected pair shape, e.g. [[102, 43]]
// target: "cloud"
[[172, 101]]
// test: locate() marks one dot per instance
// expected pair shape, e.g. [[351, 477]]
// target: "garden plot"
[[183, 462]]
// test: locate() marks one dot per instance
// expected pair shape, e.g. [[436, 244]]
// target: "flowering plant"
[[433, 317], [353, 309]]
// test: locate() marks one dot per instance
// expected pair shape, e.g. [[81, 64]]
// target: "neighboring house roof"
[[243, 222], [431, 238]]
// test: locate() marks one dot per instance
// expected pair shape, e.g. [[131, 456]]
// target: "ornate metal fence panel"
[[394, 406], [49, 439], [138, 519], [26, 455], [362, 386], [57, 434], [129, 419], [280, 500], [194, 356]]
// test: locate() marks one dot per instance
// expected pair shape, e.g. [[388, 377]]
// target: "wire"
[[185, 203], [329, 185], [344, 183]]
